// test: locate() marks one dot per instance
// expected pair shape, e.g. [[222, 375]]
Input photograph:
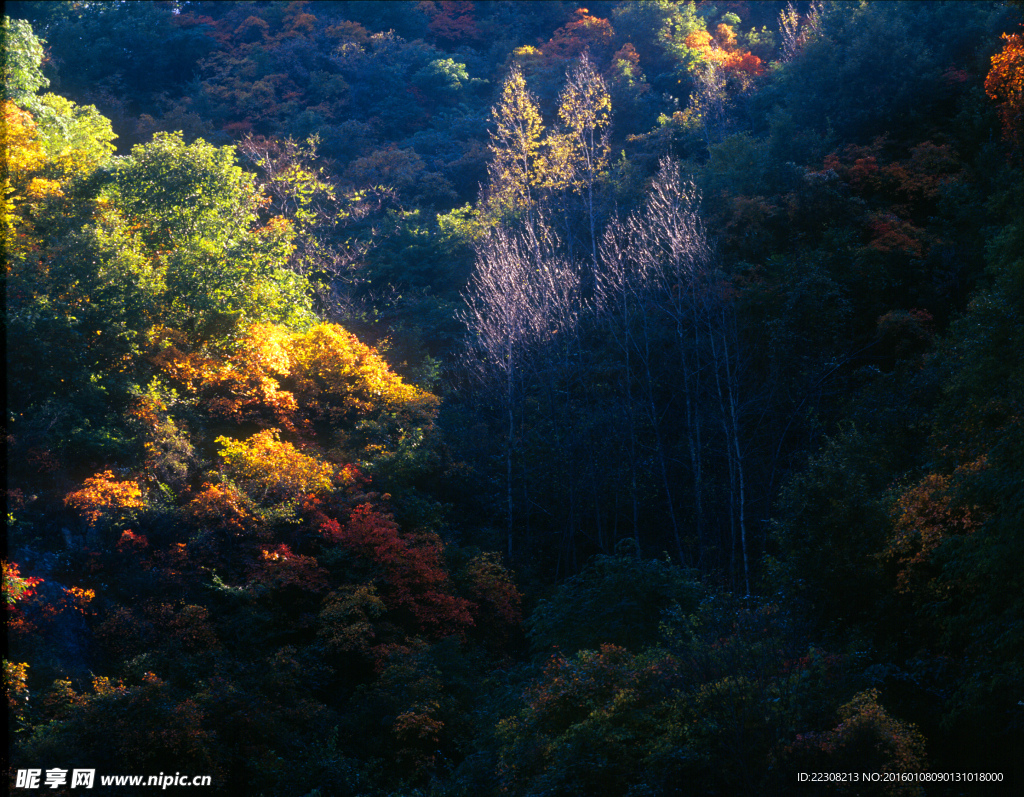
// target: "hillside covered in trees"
[[504, 398]]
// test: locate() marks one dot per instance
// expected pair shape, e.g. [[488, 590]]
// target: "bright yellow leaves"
[[272, 469], [516, 166], [524, 160], [77, 137], [291, 381], [16, 687], [21, 142], [584, 108], [337, 375], [42, 155], [104, 495]]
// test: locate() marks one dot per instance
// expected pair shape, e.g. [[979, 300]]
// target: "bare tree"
[[584, 108], [676, 237], [789, 31], [660, 262], [709, 102], [621, 289], [793, 36], [521, 300]]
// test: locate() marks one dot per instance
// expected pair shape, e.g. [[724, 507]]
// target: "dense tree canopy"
[[471, 398]]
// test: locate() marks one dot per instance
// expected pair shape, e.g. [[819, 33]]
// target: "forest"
[[464, 399]]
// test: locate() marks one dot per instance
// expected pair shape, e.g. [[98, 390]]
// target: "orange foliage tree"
[[1005, 84], [219, 507], [721, 50], [582, 33], [923, 517], [104, 496], [23, 183]]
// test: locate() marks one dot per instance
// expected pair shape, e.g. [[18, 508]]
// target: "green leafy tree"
[[198, 215], [22, 56], [830, 527], [66, 127], [446, 80], [658, 30]]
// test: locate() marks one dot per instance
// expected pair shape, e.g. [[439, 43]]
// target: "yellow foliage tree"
[[337, 377], [516, 164], [585, 109], [271, 469], [293, 381], [585, 112]]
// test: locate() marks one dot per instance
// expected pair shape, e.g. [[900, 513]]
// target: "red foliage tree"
[[411, 569], [451, 21], [278, 568]]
